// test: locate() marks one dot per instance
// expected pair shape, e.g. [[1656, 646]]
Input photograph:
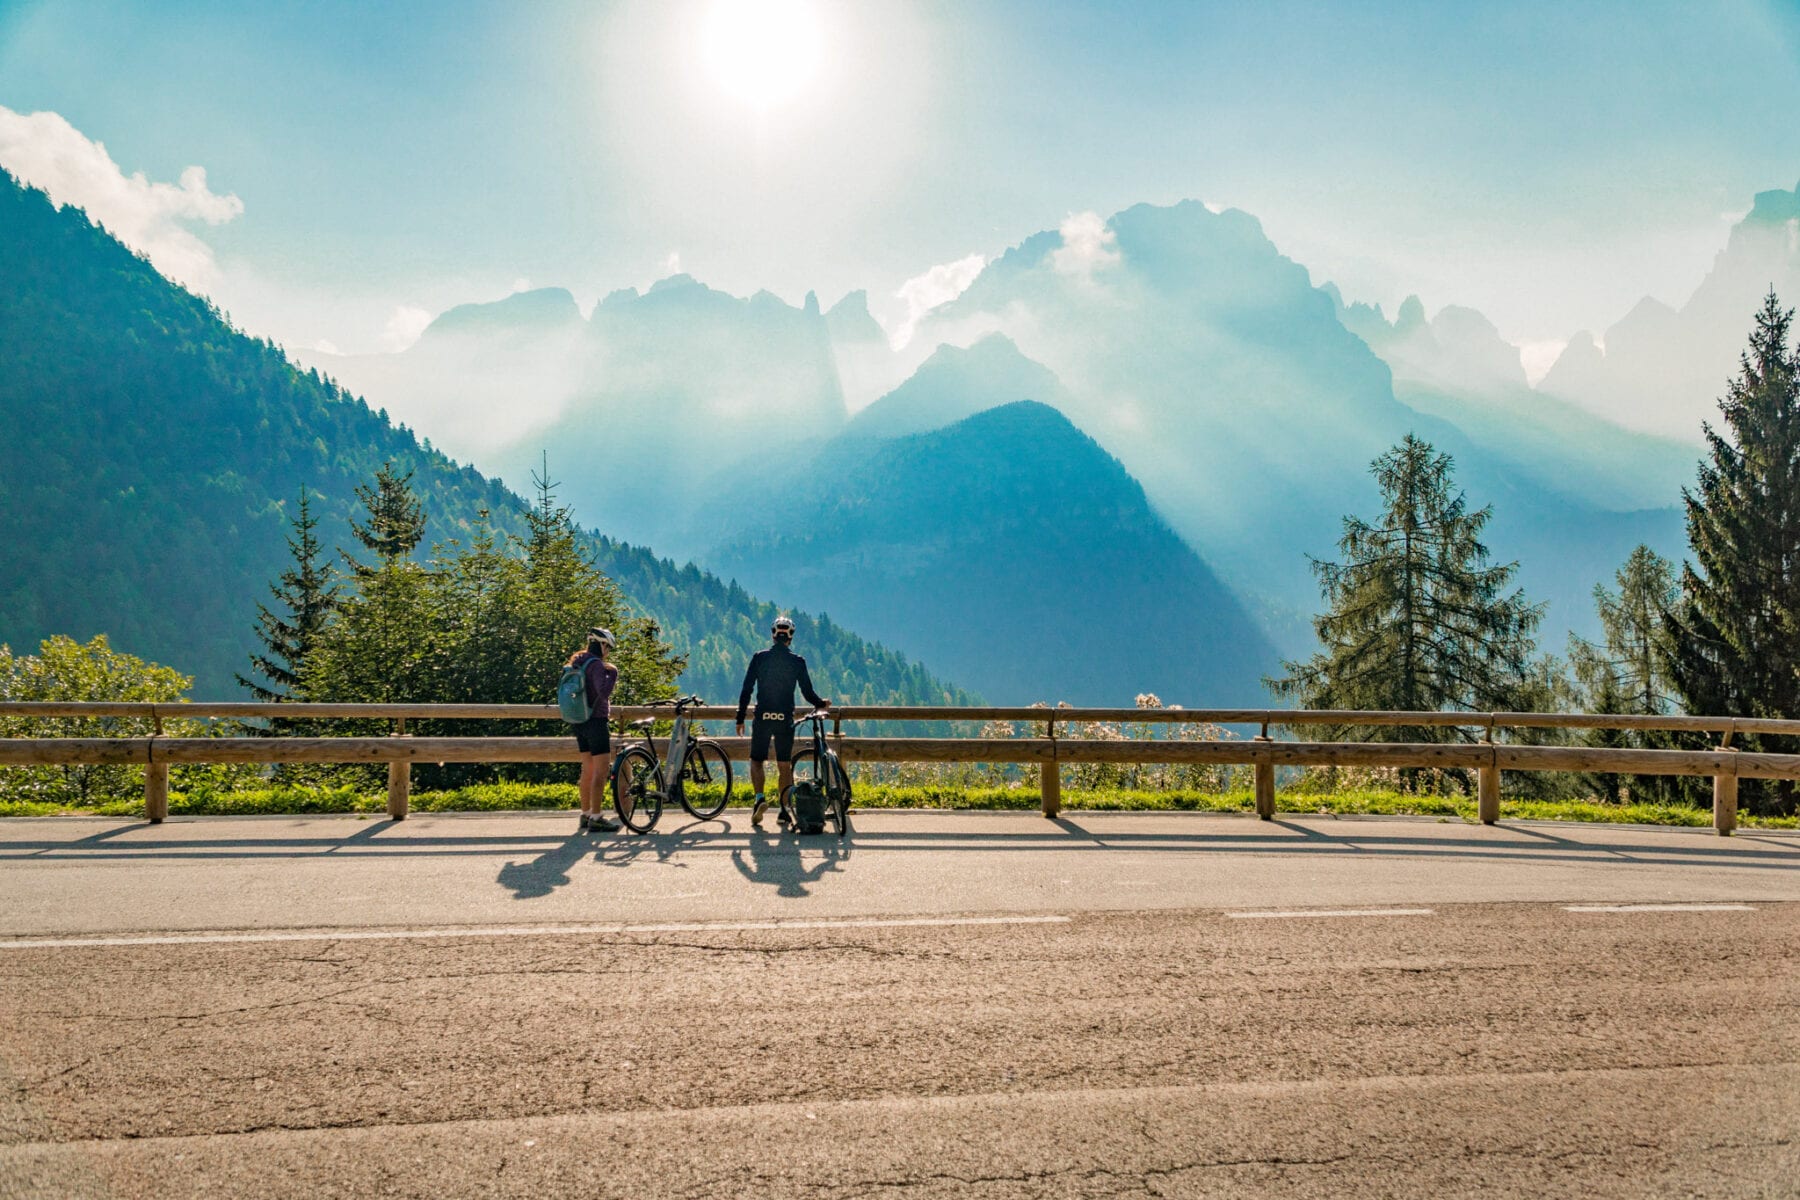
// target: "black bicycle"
[[819, 765], [639, 784]]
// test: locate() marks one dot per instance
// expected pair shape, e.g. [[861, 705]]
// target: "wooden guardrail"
[[1262, 753]]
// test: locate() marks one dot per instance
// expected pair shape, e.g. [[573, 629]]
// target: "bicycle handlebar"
[[678, 702]]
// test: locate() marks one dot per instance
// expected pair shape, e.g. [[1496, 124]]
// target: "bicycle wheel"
[[830, 779], [637, 789], [704, 769], [837, 794]]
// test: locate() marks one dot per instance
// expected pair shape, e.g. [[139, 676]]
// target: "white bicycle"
[[639, 784]]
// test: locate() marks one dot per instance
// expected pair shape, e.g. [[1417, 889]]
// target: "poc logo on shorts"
[[771, 716]]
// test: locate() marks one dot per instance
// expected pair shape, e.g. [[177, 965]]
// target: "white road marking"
[[377, 935], [1339, 912], [1627, 908]]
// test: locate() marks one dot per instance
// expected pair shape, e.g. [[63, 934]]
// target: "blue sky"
[[1547, 163]]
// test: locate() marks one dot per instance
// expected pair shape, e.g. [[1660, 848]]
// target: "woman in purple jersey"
[[594, 735]]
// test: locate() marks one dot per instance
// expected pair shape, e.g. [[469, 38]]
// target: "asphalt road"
[[85, 875], [951, 1005]]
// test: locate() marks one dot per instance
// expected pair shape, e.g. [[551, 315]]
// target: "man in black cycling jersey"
[[774, 674]]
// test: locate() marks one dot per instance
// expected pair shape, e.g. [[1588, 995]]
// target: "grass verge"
[[513, 797]]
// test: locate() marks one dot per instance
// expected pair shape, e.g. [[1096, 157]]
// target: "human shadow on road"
[[545, 873], [776, 862]]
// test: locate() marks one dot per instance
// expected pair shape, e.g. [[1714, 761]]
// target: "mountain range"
[[1246, 400], [150, 454], [1661, 368], [1166, 390]]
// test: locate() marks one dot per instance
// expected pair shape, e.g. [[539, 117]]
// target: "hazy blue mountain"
[[1221, 378], [866, 366], [1663, 369], [481, 376], [849, 321], [955, 383], [529, 314], [1457, 367], [1010, 549], [149, 454], [688, 387], [1206, 361], [642, 408]]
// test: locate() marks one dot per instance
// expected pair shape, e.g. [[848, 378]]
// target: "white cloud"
[[326, 346], [672, 264], [521, 284], [1087, 245], [44, 150], [404, 328], [940, 285]]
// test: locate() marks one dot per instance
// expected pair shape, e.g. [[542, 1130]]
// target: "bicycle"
[[639, 785], [819, 765]]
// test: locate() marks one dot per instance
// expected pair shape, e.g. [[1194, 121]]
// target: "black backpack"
[[809, 807]]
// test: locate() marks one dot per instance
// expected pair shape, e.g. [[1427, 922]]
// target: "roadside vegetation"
[[540, 797]]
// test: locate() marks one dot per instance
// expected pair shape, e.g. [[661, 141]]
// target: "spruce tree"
[[305, 596], [1732, 637], [381, 646], [1417, 619], [395, 523]]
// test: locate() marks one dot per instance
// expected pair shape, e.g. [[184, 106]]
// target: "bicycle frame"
[[680, 739], [827, 764]]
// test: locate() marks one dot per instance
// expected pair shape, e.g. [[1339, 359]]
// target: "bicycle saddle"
[[643, 722]]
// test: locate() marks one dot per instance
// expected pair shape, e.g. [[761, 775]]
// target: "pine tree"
[[305, 596], [396, 519], [1732, 637], [1417, 618]]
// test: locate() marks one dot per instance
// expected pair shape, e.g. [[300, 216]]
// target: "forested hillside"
[[150, 455]]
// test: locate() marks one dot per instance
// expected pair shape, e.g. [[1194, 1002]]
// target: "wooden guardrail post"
[[1725, 792], [156, 792], [156, 777], [1487, 784], [399, 780], [1050, 776], [1263, 776]]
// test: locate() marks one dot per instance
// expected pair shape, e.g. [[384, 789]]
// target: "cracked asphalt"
[[1140, 1047]]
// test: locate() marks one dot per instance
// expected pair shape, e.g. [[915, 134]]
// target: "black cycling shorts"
[[776, 728], [594, 736]]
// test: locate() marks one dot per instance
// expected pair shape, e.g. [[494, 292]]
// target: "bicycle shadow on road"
[[777, 862], [545, 873], [659, 848]]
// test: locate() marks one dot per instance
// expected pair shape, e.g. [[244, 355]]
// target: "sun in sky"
[[761, 53]]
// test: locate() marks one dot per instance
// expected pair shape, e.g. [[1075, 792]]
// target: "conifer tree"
[[1627, 672], [1417, 619], [379, 648], [395, 523], [1631, 662], [1733, 635], [304, 595]]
